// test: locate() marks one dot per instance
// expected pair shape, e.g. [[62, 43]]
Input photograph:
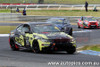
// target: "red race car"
[[88, 22]]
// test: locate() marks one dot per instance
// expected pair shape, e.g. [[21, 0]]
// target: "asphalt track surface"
[[26, 58]]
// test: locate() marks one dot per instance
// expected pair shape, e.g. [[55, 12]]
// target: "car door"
[[28, 36], [19, 36]]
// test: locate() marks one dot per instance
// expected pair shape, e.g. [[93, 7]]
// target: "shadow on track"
[[49, 53]]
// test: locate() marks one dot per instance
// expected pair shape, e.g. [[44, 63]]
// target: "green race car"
[[41, 36]]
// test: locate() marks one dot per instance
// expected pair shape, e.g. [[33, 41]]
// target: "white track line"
[[4, 35], [82, 31]]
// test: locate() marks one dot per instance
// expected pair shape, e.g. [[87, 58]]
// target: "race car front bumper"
[[92, 26], [59, 46]]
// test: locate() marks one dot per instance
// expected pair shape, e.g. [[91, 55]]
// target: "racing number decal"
[[20, 40]]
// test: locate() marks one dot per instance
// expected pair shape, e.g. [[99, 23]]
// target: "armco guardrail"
[[49, 6]]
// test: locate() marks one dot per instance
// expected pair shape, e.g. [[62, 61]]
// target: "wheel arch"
[[38, 44], [12, 42]]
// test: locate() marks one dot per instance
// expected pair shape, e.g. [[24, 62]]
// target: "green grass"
[[53, 1], [63, 13], [58, 12], [5, 11], [96, 48], [91, 47], [6, 29]]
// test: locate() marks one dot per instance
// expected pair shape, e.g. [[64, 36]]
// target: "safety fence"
[[49, 6]]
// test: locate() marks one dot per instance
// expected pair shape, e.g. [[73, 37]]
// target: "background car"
[[41, 37], [63, 24], [88, 22]]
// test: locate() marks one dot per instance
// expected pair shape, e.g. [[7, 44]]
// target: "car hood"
[[59, 25], [90, 21], [57, 35]]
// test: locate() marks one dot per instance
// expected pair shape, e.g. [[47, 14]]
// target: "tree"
[[40, 1]]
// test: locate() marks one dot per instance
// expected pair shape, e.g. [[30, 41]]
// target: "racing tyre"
[[13, 46], [71, 50], [70, 32], [36, 47], [78, 26]]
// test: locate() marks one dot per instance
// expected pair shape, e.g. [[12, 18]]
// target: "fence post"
[[71, 7], [37, 6], [26, 6], [48, 7], [82, 7], [7, 6], [59, 7]]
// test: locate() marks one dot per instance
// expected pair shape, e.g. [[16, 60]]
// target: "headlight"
[[44, 40], [98, 22], [72, 40]]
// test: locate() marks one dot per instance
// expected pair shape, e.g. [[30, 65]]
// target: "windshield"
[[58, 21], [45, 28], [91, 19]]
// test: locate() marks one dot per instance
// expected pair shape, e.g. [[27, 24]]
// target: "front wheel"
[[36, 47], [13, 46], [71, 50]]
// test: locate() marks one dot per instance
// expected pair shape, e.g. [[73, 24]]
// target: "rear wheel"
[[36, 47], [14, 46]]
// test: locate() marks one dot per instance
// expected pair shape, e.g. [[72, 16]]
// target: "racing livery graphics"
[[88, 22], [41, 37]]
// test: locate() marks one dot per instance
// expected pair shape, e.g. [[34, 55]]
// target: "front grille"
[[63, 46], [92, 23], [61, 40], [93, 26]]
